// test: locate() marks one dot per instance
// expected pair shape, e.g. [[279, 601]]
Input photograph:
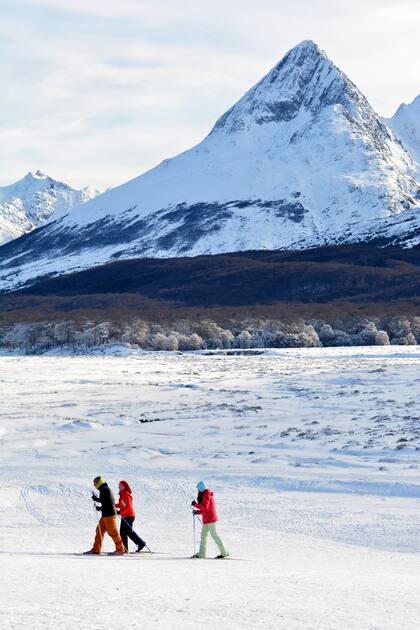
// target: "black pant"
[[127, 531]]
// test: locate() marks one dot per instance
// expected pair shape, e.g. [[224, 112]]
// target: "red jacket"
[[207, 507], [125, 504]]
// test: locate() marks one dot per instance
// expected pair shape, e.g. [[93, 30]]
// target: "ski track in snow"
[[314, 457]]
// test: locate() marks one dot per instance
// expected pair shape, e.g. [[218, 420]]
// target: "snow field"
[[321, 519]]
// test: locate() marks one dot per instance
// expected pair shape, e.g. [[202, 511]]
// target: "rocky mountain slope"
[[300, 160]]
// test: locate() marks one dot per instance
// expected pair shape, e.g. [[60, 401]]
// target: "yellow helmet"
[[97, 482]]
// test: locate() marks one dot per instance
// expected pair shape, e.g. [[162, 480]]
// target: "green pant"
[[210, 528]]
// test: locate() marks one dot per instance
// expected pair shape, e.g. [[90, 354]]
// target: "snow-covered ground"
[[313, 455]]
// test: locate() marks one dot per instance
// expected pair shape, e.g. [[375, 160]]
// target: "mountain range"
[[301, 160], [35, 200]]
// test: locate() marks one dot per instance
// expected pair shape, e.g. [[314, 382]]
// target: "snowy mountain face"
[[35, 200], [300, 160], [405, 123]]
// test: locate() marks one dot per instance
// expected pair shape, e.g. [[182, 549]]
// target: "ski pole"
[[193, 517], [98, 521], [199, 520]]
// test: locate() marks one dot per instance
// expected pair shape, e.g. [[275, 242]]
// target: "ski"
[[224, 558], [147, 553]]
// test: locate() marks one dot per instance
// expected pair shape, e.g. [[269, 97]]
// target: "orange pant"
[[107, 524]]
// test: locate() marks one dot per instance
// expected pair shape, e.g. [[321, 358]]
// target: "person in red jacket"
[[128, 515], [206, 507]]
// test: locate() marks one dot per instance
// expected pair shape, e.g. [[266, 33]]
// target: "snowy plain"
[[313, 455]]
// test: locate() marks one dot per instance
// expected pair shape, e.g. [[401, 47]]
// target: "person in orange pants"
[[108, 521]]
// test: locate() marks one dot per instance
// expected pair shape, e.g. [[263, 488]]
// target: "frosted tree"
[[244, 339], [381, 338]]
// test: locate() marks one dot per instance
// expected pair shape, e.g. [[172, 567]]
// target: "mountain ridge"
[[300, 160], [405, 123], [33, 201]]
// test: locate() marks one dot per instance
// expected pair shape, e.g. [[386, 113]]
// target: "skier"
[[108, 521], [206, 507], [128, 515]]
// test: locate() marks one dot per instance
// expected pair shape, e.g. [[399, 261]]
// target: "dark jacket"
[[107, 501]]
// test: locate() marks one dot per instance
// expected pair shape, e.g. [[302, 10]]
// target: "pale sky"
[[95, 92]]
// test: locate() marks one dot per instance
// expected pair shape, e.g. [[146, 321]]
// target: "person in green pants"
[[206, 508]]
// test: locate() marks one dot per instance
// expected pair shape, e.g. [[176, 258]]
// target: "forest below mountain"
[[359, 273], [329, 296]]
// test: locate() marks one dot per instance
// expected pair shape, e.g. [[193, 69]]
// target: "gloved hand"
[[93, 497], [193, 503], [197, 512], [98, 509]]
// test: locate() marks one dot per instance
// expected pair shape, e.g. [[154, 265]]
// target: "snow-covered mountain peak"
[[37, 175], [413, 107], [305, 80], [301, 159], [405, 123], [33, 201], [32, 177], [306, 53], [308, 46]]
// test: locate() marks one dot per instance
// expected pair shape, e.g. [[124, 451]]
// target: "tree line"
[[184, 335]]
